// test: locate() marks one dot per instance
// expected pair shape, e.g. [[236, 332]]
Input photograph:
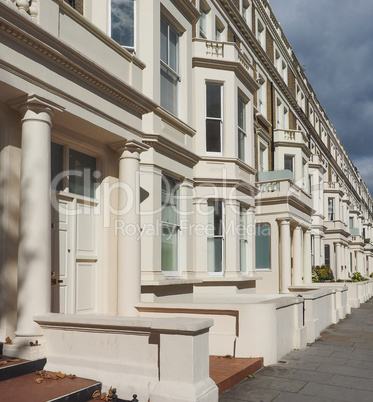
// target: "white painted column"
[[307, 267], [232, 244], [251, 239], [297, 256], [129, 244], [285, 256], [337, 268], [317, 242], [34, 249]]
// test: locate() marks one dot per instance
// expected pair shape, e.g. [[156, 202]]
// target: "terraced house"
[[168, 180]]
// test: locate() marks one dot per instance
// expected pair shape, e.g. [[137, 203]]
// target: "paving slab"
[[337, 367]]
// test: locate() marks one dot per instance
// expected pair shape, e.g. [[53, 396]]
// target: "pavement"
[[337, 367]]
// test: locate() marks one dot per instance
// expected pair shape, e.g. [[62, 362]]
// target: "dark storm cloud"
[[333, 40]]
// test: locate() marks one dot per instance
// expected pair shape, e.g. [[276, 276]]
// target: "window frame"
[[214, 236], [66, 182], [242, 131], [290, 157], [171, 225], [261, 269], [331, 209], [210, 118], [243, 240], [131, 49], [204, 10], [165, 65]]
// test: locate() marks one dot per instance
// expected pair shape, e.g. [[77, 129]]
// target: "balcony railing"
[[29, 7], [227, 51], [335, 225], [290, 136], [280, 184], [354, 232]]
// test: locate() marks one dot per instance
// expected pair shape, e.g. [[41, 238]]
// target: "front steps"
[[227, 371], [18, 383]]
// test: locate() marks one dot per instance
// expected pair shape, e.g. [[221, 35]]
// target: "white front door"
[[74, 255]]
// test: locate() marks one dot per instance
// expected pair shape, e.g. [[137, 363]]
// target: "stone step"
[[227, 371], [18, 382], [17, 367]]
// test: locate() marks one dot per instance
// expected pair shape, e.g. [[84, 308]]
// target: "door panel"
[[60, 259], [86, 300], [74, 257]]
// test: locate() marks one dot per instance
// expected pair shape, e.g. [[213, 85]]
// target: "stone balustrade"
[[29, 7]]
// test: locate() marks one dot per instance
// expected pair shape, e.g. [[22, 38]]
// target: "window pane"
[[57, 164], [168, 90], [241, 114], [213, 100], [122, 22], [164, 41], [215, 254], [81, 179], [243, 248], [173, 50], [241, 145], [170, 195], [263, 247], [288, 163], [213, 138], [169, 248]]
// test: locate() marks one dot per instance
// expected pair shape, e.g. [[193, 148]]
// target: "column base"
[[28, 348]]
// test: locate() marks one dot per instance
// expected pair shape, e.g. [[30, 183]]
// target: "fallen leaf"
[[8, 341], [39, 380], [3, 362], [60, 375], [15, 360], [96, 394], [71, 376], [103, 396]]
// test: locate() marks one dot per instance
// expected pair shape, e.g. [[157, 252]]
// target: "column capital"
[[285, 221], [129, 148], [36, 104]]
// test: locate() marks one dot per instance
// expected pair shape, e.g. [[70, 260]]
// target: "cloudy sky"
[[333, 41]]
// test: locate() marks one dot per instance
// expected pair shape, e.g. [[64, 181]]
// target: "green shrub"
[[357, 277]]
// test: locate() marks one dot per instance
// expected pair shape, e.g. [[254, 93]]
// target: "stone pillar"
[[317, 242], [251, 239], [307, 268], [285, 256], [129, 244], [337, 268], [34, 249], [297, 256]]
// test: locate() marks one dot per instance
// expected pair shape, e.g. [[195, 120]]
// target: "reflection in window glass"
[[81, 170], [123, 22]]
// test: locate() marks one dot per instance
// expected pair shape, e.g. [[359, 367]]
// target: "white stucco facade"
[[168, 181]]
